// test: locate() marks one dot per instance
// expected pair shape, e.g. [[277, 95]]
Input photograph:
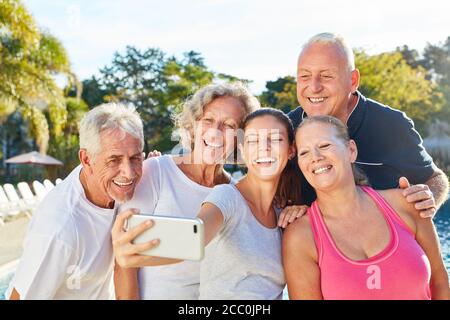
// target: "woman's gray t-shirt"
[[243, 261]]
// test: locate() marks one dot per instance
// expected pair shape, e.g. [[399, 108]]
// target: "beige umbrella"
[[34, 157]]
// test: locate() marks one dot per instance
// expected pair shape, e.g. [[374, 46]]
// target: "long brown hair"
[[289, 186]]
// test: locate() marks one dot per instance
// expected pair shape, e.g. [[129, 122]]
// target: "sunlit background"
[[251, 39], [87, 49]]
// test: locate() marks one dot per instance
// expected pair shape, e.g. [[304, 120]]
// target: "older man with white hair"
[[68, 250], [390, 150]]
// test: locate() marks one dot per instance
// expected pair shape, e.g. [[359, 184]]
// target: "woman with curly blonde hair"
[[207, 126]]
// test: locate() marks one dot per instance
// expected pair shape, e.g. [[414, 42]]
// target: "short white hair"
[[109, 116], [334, 39]]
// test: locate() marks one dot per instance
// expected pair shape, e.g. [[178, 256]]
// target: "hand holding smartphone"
[[180, 238]]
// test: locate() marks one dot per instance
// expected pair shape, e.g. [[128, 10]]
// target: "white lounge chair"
[[4, 206], [16, 201], [58, 181], [7, 208], [39, 189], [48, 185], [28, 197], [3, 215], [2, 218]]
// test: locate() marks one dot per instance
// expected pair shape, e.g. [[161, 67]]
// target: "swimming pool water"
[[442, 222], [4, 284]]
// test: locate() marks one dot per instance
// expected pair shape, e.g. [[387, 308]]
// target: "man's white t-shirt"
[[67, 250], [165, 190]]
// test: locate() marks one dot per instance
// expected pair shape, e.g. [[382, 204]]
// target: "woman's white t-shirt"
[[243, 261], [165, 190]]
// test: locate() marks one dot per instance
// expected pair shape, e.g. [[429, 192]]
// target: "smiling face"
[[325, 82], [323, 157], [216, 129], [266, 147], [115, 171]]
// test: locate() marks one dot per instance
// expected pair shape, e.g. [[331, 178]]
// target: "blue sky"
[[256, 40]]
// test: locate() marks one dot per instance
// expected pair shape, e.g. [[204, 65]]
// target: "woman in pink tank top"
[[355, 242]]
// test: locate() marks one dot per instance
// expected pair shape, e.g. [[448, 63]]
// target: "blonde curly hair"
[[193, 107]]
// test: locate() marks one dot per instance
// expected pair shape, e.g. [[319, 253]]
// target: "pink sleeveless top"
[[399, 272]]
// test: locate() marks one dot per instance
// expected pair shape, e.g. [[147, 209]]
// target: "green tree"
[[388, 78], [411, 56], [436, 58], [92, 92], [29, 59], [65, 146], [15, 133], [138, 77], [280, 94], [156, 84]]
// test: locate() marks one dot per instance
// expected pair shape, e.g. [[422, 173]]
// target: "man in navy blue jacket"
[[388, 145]]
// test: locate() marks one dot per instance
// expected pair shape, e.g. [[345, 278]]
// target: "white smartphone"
[[180, 238]]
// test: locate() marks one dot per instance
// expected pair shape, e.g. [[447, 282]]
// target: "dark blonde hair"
[[341, 133]]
